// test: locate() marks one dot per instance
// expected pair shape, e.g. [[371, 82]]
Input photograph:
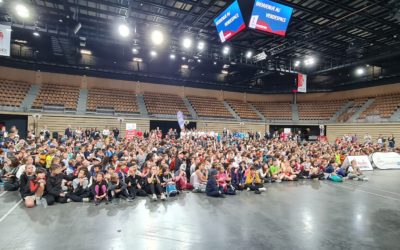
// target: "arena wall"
[[334, 131]]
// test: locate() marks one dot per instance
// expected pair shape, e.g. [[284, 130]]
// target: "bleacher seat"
[[383, 106], [209, 107], [274, 110], [12, 93], [57, 95], [243, 110], [319, 110], [164, 104], [118, 100]]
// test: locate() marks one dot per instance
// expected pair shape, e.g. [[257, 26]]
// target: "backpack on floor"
[[335, 178], [171, 190]]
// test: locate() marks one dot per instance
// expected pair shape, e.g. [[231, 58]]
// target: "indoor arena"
[[199, 124]]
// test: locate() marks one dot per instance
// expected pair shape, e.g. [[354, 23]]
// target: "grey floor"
[[300, 215]]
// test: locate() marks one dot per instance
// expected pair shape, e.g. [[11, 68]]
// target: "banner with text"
[[388, 160], [302, 83], [362, 162], [130, 131], [270, 17], [5, 38]]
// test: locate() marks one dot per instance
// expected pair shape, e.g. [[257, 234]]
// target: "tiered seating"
[[166, 104], [209, 107], [357, 104], [384, 106], [12, 93], [120, 101], [319, 110], [274, 111], [243, 110], [57, 95]]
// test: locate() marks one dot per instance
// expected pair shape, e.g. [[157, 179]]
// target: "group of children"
[[46, 171]]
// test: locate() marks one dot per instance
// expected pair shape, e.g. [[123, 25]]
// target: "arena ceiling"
[[340, 35]]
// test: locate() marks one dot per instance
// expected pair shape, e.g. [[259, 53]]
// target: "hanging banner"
[[362, 162], [388, 160], [130, 131], [181, 120], [5, 38], [302, 83]]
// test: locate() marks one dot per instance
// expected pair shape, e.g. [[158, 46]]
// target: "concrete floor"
[[300, 215]]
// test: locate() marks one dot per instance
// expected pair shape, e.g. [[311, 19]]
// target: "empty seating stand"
[[57, 95], [117, 100], [209, 107], [274, 111], [12, 93], [346, 115], [243, 110], [319, 110], [164, 104], [383, 106]]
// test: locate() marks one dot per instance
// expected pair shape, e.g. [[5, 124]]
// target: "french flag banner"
[[302, 83]]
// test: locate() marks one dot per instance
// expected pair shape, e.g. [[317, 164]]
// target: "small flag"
[[302, 83]]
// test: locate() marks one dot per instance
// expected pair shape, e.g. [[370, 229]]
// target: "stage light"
[[249, 54], [153, 53], [123, 30], [184, 66], [86, 52], [360, 71], [309, 61], [225, 72], [35, 33], [187, 43], [226, 50], [297, 63], [201, 45], [137, 59], [157, 37], [172, 56], [22, 11]]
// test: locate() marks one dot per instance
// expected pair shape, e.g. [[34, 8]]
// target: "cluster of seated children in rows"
[[40, 186]]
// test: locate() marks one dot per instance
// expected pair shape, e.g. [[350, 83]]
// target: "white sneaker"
[[365, 179], [68, 200], [355, 179], [263, 189], [154, 197], [163, 196], [278, 181], [85, 199], [248, 189]]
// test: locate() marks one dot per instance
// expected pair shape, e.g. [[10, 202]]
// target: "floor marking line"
[[3, 193], [357, 189], [9, 211], [382, 190]]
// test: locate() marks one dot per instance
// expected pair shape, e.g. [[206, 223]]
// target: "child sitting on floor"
[[135, 184], [99, 189], [212, 188], [254, 182]]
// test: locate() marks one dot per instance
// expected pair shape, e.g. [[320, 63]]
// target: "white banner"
[[302, 83], [130, 126], [5, 39], [362, 162], [181, 120], [389, 160]]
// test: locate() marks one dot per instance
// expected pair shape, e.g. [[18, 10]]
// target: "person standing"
[[116, 133], [391, 141], [68, 132]]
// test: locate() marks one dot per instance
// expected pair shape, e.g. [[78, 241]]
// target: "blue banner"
[[230, 22], [270, 17]]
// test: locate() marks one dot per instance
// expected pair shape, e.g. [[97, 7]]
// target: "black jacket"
[[24, 185], [53, 183]]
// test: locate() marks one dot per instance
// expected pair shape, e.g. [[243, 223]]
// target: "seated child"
[[212, 188], [27, 180], [54, 191], [354, 172], [199, 178], [254, 182], [135, 183], [80, 187], [167, 181], [154, 184], [99, 189], [118, 188]]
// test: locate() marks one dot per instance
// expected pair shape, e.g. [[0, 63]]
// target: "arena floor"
[[299, 215]]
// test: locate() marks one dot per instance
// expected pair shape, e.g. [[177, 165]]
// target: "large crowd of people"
[[100, 166]]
